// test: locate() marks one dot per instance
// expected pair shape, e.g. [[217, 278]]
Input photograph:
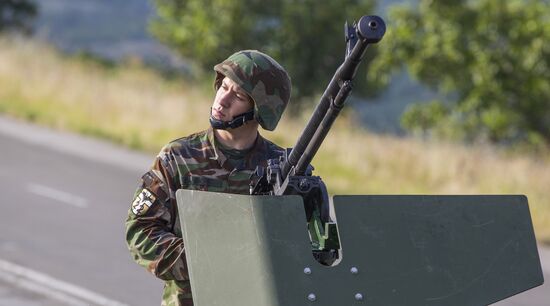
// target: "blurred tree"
[[17, 15], [491, 57], [305, 36]]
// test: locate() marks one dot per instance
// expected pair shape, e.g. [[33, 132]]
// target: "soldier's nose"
[[225, 100]]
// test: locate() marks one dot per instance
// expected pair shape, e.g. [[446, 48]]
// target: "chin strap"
[[235, 123]]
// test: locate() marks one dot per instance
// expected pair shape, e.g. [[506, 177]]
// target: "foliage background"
[[306, 37], [17, 15], [490, 58]]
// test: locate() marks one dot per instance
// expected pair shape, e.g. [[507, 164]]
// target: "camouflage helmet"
[[263, 79]]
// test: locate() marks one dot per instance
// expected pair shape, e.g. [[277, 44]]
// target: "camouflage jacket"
[[153, 231]]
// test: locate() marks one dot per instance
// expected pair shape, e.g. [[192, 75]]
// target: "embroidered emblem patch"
[[142, 202]]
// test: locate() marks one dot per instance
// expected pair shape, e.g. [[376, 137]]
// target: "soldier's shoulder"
[[189, 146], [272, 148], [193, 141]]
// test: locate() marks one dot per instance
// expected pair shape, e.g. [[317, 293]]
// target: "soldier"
[[251, 89]]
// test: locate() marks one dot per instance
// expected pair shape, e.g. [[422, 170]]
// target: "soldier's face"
[[230, 101]]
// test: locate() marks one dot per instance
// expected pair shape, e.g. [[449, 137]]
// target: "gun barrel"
[[323, 129], [370, 29]]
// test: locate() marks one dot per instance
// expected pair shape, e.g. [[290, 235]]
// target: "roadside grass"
[[130, 105], [136, 107]]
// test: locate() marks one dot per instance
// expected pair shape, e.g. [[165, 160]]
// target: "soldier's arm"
[[150, 233]]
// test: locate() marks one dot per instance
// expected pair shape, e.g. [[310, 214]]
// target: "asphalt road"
[[63, 210], [63, 205]]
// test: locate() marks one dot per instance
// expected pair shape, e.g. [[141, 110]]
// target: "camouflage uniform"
[[198, 162], [153, 228]]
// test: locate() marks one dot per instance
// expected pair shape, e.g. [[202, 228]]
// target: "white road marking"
[[37, 282], [57, 195]]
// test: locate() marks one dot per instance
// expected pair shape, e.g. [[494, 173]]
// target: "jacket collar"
[[252, 159]]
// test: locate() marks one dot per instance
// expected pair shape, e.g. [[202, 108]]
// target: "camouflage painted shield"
[[265, 81]]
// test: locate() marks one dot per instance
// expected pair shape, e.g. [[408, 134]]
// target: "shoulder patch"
[[142, 202]]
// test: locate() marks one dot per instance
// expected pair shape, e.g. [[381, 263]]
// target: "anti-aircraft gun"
[[292, 173], [396, 249]]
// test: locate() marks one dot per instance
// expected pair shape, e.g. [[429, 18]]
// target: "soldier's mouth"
[[217, 114]]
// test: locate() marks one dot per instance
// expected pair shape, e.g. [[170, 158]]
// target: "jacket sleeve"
[[150, 226]]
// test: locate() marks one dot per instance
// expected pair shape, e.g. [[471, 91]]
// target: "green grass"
[[140, 109]]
